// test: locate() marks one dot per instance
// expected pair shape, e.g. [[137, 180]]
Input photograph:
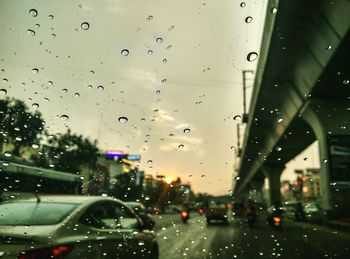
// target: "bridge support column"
[[330, 123], [273, 173]]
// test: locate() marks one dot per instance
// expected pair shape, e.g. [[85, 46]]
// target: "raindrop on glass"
[[100, 88], [279, 120], [242, 4], [346, 82], [165, 60], [328, 47], [35, 70], [252, 56], [248, 19], [123, 119], [77, 94], [237, 117], [50, 83], [164, 80], [150, 161], [150, 52], [125, 52], [85, 26], [35, 146], [64, 117], [159, 40], [37, 25], [7, 154], [35, 105], [187, 130], [3, 91], [203, 175], [158, 92], [51, 17], [33, 12], [31, 32], [274, 10], [65, 90], [149, 18], [181, 146], [237, 178]]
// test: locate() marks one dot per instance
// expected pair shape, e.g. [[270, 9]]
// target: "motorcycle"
[[185, 215], [274, 218]]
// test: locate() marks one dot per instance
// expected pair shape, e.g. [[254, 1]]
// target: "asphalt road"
[[237, 240]]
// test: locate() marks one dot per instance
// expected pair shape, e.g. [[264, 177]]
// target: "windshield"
[[234, 111], [31, 213]]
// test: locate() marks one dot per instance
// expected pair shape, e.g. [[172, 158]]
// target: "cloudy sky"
[[165, 65]]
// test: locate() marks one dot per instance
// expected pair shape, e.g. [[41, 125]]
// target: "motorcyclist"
[[274, 211]]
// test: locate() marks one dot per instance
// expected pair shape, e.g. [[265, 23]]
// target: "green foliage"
[[19, 126]]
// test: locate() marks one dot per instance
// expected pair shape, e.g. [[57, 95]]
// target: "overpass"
[[301, 94]]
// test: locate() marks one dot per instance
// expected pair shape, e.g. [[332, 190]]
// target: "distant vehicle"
[[275, 216], [313, 212], [69, 226], [185, 216], [16, 178], [140, 211], [216, 211]]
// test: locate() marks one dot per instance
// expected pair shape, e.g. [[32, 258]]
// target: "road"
[[237, 240]]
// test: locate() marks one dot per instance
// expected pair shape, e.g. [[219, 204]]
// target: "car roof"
[[63, 198], [134, 204]]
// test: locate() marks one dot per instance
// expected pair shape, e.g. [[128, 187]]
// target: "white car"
[[72, 227]]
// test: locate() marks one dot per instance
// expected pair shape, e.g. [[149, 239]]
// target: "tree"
[[19, 127], [68, 152]]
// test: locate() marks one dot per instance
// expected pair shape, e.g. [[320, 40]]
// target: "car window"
[[126, 219], [32, 213], [100, 215]]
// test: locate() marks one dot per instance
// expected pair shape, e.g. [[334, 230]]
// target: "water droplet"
[[328, 47], [3, 91], [274, 10], [252, 56], [171, 135], [149, 18], [159, 40], [125, 52], [53, 35], [37, 25], [242, 4], [100, 88], [31, 32], [7, 154], [33, 12], [64, 90], [18, 138], [164, 81], [203, 175], [35, 146], [35, 105], [150, 52], [50, 83], [248, 19], [64, 117], [181, 146], [237, 117], [5, 80], [35, 71], [279, 120], [89, 86], [150, 161], [77, 94], [123, 119], [165, 60], [141, 243], [187, 130], [324, 161], [346, 82], [158, 92], [51, 17], [237, 178], [278, 149], [85, 26]]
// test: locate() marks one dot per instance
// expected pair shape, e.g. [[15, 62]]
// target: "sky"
[[164, 65]]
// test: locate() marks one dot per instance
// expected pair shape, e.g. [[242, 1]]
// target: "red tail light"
[[201, 211], [277, 219], [57, 252]]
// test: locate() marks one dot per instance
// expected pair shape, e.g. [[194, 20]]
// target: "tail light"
[[184, 214], [57, 252], [277, 219], [201, 211]]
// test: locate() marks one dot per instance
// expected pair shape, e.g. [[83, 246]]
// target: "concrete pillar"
[[329, 120], [273, 173]]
